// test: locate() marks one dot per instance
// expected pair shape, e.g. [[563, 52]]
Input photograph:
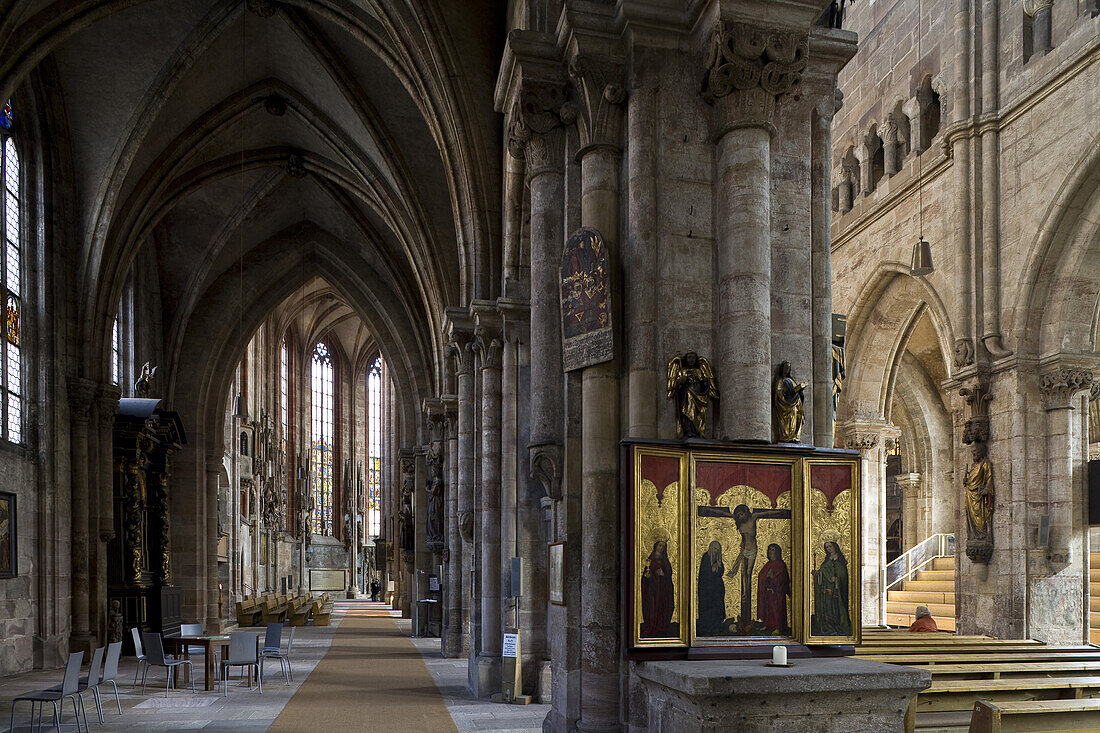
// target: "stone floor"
[[249, 712]]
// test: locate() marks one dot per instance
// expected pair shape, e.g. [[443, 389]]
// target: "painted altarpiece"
[[736, 546]]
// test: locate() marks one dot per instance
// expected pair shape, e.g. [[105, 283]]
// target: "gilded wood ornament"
[[691, 383]]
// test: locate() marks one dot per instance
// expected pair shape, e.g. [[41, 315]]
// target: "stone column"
[[640, 285], [1040, 11], [962, 185], [914, 525], [103, 525], [599, 88], [213, 470], [1057, 611], [452, 635], [487, 341], [867, 438], [847, 189], [81, 394], [890, 147], [821, 271], [744, 129], [458, 330]]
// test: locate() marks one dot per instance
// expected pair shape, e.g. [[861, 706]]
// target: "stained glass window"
[[12, 412], [116, 354], [374, 448], [322, 443], [284, 395]]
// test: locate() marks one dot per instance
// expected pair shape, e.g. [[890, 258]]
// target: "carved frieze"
[[861, 441]]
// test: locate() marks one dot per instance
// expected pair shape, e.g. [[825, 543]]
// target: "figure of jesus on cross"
[[745, 519]]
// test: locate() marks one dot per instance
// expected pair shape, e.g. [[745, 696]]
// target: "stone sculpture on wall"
[[405, 516], [692, 385], [978, 483], [435, 536], [787, 403]]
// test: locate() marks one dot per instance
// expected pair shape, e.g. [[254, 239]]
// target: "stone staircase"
[[935, 587], [1094, 598]]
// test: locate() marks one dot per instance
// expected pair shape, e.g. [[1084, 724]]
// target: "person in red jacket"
[[924, 621]]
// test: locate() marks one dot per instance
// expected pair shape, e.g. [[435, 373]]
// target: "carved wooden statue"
[[434, 527], [787, 403], [979, 498], [691, 383]]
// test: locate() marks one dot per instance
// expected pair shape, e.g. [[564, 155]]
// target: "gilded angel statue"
[[691, 383]]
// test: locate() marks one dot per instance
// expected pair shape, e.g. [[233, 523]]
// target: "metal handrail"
[[902, 567]]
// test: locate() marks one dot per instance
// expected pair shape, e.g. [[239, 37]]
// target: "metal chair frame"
[[242, 653], [138, 652], [155, 657], [273, 649], [69, 684], [110, 673]]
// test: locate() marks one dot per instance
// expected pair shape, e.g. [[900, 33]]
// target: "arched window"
[[323, 443], [13, 282], [284, 397], [116, 353], [374, 448]]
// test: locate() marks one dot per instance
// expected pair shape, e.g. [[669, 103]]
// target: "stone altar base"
[[820, 695]]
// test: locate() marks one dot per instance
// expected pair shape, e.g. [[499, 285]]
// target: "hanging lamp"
[[921, 264]]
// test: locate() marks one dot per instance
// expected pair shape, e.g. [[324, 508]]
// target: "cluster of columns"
[[92, 408]]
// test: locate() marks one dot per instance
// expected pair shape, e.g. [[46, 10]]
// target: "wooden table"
[[208, 643]]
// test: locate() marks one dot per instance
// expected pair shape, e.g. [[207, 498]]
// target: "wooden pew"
[[1035, 715], [248, 613]]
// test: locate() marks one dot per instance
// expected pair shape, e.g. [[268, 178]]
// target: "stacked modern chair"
[[69, 684]]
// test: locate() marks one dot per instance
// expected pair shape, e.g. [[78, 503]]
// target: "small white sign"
[[511, 646], [433, 583]]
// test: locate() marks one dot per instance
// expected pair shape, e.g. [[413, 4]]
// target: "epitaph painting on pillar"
[[586, 310], [832, 549], [691, 384], [9, 547], [742, 525], [788, 397], [435, 536], [979, 494], [840, 323], [661, 542]]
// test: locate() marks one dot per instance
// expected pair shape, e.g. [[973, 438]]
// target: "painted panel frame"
[[659, 533], [831, 495], [723, 502]]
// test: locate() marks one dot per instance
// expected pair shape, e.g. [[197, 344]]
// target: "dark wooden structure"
[[139, 558]]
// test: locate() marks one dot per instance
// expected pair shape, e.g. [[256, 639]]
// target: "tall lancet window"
[[116, 353], [323, 442], [374, 448], [284, 397], [12, 413]]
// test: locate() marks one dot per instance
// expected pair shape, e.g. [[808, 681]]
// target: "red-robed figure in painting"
[[658, 598], [774, 587]]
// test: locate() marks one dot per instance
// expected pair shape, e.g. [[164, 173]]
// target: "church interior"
[[550, 365]]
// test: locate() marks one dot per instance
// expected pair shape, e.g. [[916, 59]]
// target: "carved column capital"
[[534, 127], [82, 393], [1034, 7], [598, 106], [747, 68], [861, 441], [1060, 386], [488, 333], [107, 404]]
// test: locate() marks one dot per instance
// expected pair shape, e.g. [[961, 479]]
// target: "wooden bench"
[[962, 694], [273, 612], [321, 617], [248, 613], [1035, 715]]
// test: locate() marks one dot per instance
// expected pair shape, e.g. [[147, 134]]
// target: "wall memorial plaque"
[[586, 328]]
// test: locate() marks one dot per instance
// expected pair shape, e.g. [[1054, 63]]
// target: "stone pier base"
[[825, 695]]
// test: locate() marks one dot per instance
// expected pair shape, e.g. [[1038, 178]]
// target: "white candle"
[[779, 655]]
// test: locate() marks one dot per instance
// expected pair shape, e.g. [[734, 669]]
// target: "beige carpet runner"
[[371, 679]]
